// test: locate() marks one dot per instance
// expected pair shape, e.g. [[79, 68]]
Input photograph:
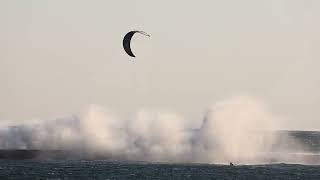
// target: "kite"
[[127, 41]]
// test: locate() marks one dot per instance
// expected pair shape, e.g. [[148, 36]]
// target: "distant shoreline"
[[34, 154], [20, 154]]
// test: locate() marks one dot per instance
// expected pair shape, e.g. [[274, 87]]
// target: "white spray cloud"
[[237, 129], [234, 129], [158, 136]]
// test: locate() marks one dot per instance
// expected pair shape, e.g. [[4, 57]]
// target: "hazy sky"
[[58, 56]]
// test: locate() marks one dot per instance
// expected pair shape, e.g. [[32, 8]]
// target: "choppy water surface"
[[32, 169]]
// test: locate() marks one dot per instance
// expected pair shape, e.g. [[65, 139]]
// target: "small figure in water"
[[231, 164]]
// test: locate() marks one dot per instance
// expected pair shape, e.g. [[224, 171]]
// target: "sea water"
[[95, 169]]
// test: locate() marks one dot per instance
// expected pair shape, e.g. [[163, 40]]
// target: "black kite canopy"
[[127, 41]]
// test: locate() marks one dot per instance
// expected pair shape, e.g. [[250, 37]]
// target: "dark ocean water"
[[66, 169]]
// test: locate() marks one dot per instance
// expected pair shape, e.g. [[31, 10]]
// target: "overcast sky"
[[58, 56]]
